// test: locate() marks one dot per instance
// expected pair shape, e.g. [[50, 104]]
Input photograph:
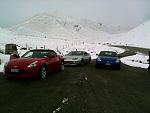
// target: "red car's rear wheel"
[[62, 67]]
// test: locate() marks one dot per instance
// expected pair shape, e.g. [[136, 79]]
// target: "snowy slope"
[[138, 37], [57, 25]]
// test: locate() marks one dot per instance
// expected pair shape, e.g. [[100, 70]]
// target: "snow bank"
[[4, 59], [2, 67], [138, 60]]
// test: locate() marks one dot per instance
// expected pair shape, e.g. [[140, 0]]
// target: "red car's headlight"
[[33, 64]]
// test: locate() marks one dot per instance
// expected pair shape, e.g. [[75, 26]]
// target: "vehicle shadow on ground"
[[29, 79]]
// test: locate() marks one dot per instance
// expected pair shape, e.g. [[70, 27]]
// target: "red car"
[[34, 63]]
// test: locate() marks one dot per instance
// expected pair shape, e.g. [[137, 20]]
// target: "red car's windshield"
[[36, 54]]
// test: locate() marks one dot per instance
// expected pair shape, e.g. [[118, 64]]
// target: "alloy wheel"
[[62, 67], [43, 72]]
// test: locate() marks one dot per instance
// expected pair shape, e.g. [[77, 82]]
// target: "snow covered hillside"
[[61, 27], [57, 25], [138, 37]]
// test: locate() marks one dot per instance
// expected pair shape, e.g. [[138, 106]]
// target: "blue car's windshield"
[[108, 53], [77, 53]]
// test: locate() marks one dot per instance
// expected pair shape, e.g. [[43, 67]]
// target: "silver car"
[[77, 58]]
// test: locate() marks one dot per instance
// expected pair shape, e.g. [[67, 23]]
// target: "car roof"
[[78, 51], [41, 50], [109, 51]]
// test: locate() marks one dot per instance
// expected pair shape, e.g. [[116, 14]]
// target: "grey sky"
[[113, 12]]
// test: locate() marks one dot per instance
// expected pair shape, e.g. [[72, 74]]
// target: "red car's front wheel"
[[43, 72]]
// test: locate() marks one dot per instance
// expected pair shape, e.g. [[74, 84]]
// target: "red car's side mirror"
[[50, 56]]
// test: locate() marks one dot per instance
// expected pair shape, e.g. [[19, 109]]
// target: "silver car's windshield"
[[75, 53]]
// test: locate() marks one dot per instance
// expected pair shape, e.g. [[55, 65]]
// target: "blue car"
[[108, 59]]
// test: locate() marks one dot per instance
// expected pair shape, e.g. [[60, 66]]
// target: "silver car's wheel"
[[82, 62], [89, 61], [43, 72], [62, 67]]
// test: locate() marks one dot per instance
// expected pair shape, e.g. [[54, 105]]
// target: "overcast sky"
[[113, 12]]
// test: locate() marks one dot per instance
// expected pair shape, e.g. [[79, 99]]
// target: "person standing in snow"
[[14, 55]]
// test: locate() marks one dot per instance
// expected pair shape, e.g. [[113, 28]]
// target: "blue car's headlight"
[[98, 59], [117, 61]]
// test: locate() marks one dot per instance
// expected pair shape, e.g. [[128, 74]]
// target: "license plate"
[[15, 70], [108, 64]]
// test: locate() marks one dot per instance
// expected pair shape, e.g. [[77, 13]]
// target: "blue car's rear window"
[[108, 53]]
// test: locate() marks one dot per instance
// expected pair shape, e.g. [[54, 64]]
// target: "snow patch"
[[4, 59], [2, 67], [65, 101], [138, 60]]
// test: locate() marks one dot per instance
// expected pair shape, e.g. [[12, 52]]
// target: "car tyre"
[[82, 62], [119, 66], [97, 66], [43, 72], [62, 67], [89, 61]]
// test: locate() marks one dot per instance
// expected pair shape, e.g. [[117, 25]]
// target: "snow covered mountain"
[[59, 26], [137, 37]]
